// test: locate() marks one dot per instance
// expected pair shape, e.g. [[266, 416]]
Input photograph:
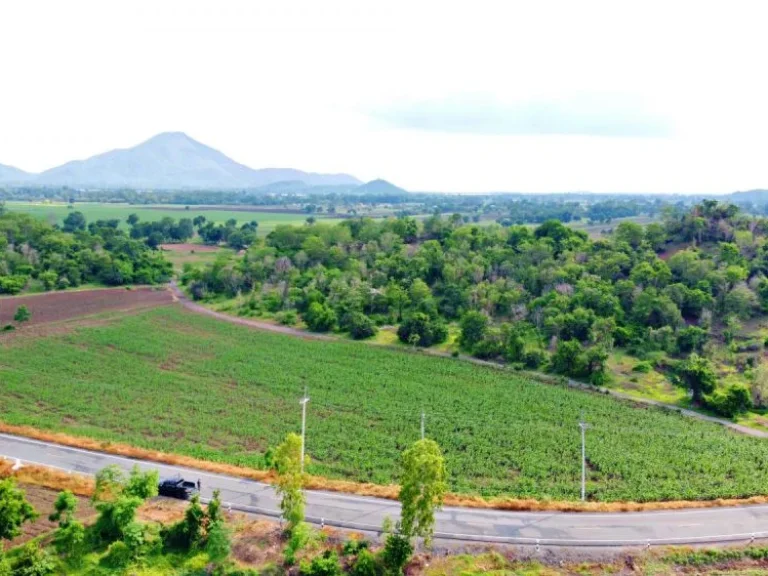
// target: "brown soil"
[[189, 248], [57, 306]]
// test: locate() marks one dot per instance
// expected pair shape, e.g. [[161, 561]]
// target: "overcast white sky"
[[433, 95]]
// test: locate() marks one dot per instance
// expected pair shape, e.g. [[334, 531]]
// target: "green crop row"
[[178, 382]]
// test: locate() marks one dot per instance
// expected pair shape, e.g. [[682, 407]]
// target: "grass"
[[56, 212], [195, 257], [181, 383]]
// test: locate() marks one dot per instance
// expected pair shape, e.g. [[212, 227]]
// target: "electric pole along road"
[[695, 526]]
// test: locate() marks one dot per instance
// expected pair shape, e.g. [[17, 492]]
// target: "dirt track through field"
[[66, 305], [259, 324]]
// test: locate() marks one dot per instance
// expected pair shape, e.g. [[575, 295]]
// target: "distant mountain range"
[[171, 160]]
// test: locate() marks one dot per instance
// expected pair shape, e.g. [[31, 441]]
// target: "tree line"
[[544, 298], [75, 254]]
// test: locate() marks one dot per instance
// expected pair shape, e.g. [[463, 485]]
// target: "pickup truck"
[[177, 487]]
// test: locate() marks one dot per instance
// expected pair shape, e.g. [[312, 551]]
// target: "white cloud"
[[675, 92]]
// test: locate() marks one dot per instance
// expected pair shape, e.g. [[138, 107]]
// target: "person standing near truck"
[[199, 485]]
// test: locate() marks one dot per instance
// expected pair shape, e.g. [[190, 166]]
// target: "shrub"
[[300, 537], [728, 402], [429, 331], [642, 367], [365, 565], [287, 318], [534, 358], [359, 325], [397, 551], [320, 317], [352, 547], [32, 561], [118, 555], [325, 565]]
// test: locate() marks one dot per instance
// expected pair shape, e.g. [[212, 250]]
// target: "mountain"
[[11, 175], [173, 160], [379, 187], [758, 196]]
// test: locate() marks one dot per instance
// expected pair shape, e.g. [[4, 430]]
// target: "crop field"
[[55, 213], [175, 381], [196, 254], [65, 305]]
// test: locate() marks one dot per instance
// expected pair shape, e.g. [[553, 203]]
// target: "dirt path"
[[180, 297], [261, 325]]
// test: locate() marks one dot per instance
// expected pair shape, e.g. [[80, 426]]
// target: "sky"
[[448, 96]]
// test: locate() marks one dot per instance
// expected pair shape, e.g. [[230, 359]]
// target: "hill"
[[12, 175], [170, 160], [379, 187], [758, 196]]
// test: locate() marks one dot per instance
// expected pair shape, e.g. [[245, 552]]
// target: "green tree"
[[320, 317], [14, 510], [290, 480], [473, 327], [568, 359], [22, 314], [74, 221], [218, 543], [64, 508], [423, 487], [698, 374], [117, 497]]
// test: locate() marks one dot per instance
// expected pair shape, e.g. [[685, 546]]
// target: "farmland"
[[212, 390], [56, 212], [57, 306]]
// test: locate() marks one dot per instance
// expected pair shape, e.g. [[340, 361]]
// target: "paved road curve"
[[361, 513]]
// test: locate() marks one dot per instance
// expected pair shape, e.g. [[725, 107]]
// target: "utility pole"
[[422, 424], [303, 403], [583, 425]]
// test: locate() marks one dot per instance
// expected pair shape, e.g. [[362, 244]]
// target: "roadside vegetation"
[[118, 527], [196, 386]]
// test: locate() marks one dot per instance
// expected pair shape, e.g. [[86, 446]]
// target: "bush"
[[359, 325], [320, 317], [352, 547], [118, 555], [534, 358], [642, 367], [397, 551], [365, 565], [325, 565], [287, 318], [300, 537], [731, 401], [428, 331], [32, 561]]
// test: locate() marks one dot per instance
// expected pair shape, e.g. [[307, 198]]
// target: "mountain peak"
[[379, 186], [171, 160]]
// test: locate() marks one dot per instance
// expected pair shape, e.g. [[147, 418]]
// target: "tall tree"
[[423, 487], [290, 480]]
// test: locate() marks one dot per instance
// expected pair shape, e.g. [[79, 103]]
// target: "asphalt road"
[[367, 514]]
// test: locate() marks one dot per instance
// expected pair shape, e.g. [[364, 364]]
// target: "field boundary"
[[389, 492]]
